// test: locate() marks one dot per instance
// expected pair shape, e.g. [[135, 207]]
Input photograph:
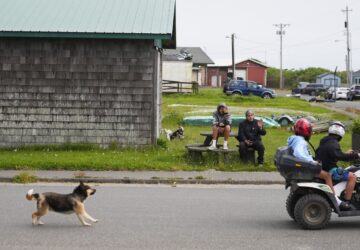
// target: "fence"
[[180, 87]]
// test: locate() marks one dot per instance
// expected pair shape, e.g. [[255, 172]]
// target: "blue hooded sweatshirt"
[[300, 148]]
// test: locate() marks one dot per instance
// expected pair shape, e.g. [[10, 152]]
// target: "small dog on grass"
[[62, 203], [179, 133]]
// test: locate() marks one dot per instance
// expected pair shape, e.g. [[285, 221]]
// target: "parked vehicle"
[[354, 93], [314, 89], [299, 88], [296, 91], [241, 87], [310, 201], [337, 93]]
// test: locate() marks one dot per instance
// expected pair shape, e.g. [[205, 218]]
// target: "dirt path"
[[337, 110]]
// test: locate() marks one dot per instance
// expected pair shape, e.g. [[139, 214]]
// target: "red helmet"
[[303, 127]]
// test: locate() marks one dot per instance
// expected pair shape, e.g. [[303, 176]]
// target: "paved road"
[[163, 217], [340, 104]]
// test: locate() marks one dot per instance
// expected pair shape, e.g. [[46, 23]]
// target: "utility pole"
[[233, 36], [348, 59], [335, 84], [233, 54], [281, 32]]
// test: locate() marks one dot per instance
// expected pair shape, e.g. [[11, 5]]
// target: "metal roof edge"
[[171, 43], [254, 61], [84, 35]]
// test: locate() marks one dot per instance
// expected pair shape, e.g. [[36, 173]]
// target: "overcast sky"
[[316, 35]]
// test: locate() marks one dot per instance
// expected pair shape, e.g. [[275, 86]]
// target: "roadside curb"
[[149, 181]]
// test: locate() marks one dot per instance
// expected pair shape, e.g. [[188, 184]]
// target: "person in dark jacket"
[[329, 153], [249, 135]]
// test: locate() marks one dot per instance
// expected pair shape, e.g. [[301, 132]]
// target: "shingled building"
[[82, 71]]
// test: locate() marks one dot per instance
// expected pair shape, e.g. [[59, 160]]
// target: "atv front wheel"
[[290, 204], [312, 211]]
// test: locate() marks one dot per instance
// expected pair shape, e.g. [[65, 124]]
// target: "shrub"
[[161, 143], [173, 117], [25, 177], [114, 145], [355, 128]]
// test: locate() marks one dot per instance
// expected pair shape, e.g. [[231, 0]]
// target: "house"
[[200, 61], [176, 70], [176, 74], [329, 79], [84, 71], [250, 69], [356, 77]]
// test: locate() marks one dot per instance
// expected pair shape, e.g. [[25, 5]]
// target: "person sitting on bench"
[[249, 136], [221, 126]]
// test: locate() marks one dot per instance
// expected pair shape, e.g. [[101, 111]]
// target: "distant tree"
[[293, 76], [343, 76], [310, 74], [273, 77], [290, 77]]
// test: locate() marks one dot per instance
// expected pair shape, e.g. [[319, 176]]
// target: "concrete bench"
[[208, 137], [196, 150], [250, 155]]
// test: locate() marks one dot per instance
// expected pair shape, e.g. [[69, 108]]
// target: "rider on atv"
[[298, 144], [329, 153], [310, 202]]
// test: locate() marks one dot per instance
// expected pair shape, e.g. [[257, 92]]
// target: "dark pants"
[[257, 146]]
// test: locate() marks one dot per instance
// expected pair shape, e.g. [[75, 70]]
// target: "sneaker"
[[225, 147], [346, 206], [212, 147]]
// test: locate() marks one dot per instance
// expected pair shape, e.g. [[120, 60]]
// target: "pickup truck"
[[242, 87], [314, 89]]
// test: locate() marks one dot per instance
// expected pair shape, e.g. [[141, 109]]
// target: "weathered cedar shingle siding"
[[78, 91]]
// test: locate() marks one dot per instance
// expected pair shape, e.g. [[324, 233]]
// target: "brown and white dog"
[[62, 203]]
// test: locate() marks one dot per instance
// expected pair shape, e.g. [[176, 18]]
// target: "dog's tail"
[[31, 196], [168, 133]]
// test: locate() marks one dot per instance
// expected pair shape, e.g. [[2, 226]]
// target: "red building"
[[250, 69]]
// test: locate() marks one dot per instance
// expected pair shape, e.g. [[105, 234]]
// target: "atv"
[[310, 201]]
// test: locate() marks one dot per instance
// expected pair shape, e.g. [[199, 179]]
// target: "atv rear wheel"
[[312, 211]]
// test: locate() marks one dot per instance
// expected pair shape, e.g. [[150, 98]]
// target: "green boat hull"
[[236, 119]]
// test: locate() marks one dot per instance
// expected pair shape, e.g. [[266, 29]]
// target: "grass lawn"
[[171, 155]]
